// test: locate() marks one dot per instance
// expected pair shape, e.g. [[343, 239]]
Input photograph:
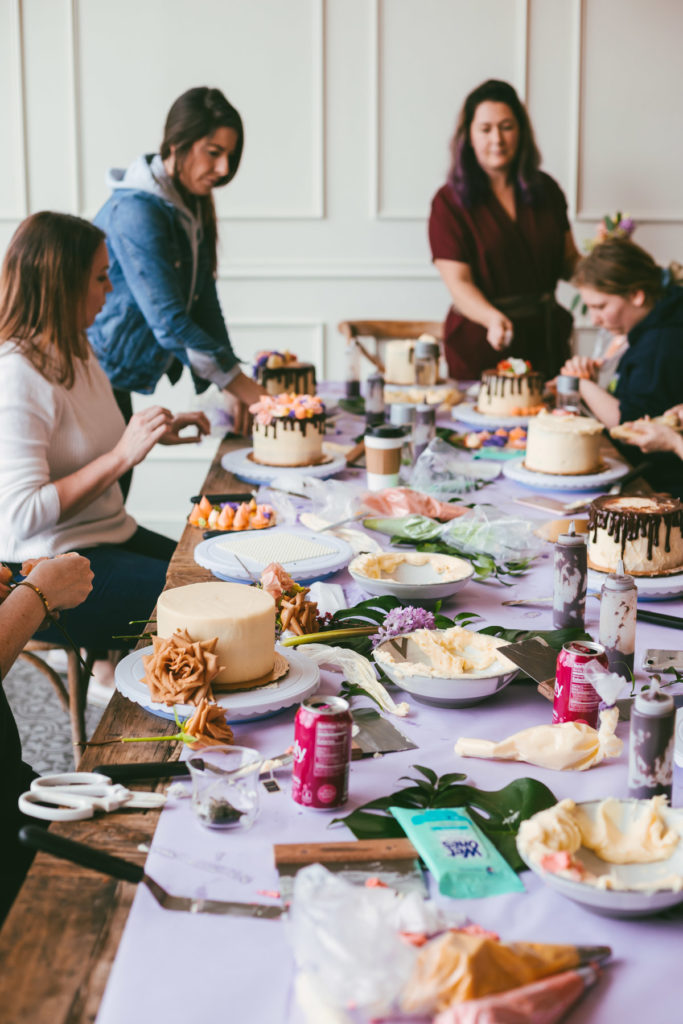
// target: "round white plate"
[[218, 554], [242, 466], [467, 412], [650, 588], [461, 692], [414, 582], [621, 902], [515, 470], [300, 682]]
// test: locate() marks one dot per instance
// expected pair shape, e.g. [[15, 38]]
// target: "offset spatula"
[[117, 867]]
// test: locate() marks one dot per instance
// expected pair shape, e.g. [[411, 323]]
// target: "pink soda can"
[[322, 751], [575, 699]]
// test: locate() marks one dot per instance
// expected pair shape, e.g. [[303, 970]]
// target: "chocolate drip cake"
[[279, 372], [288, 430], [643, 531], [512, 389]]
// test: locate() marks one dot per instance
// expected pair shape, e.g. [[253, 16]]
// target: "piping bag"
[[542, 1002], [455, 967], [567, 746]]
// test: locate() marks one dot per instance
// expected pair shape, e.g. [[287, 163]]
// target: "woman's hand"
[[144, 430], [66, 580], [186, 419], [583, 367], [676, 410], [655, 437], [500, 331], [246, 391]]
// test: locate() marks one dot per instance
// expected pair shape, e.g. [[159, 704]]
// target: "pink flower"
[[275, 581]]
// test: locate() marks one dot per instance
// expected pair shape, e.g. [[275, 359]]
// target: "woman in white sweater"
[[63, 441]]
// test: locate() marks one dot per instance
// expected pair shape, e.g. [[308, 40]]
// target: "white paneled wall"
[[348, 108]]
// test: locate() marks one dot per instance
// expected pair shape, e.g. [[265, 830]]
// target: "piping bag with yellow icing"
[[568, 746]]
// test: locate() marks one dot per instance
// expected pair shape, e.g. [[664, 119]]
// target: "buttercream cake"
[[643, 531], [399, 362], [564, 444], [512, 389], [288, 430], [242, 617], [279, 372]]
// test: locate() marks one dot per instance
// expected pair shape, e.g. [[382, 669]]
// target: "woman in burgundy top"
[[501, 240]]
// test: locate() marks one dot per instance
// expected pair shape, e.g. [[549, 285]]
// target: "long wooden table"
[[60, 938]]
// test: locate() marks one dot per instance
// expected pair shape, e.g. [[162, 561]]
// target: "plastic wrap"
[[486, 529], [443, 471]]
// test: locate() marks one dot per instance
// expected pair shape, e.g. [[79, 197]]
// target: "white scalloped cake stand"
[[300, 682], [650, 588], [467, 412], [516, 471], [239, 463], [217, 554]]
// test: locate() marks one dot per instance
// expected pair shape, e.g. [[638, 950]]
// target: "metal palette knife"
[[393, 861], [535, 657], [127, 871]]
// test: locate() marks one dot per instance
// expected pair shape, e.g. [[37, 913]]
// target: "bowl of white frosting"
[[451, 668], [410, 575], [620, 858]]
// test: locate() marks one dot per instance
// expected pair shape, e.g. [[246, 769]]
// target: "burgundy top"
[[507, 258]]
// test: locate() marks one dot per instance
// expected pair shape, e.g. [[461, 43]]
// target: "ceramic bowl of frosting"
[[410, 575], [576, 850], [450, 668]]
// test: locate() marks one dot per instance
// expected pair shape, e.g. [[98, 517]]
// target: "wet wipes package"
[[464, 862]]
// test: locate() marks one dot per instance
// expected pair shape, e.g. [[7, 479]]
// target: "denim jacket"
[[164, 306]]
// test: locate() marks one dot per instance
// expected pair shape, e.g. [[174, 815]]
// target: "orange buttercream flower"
[[208, 726], [180, 671]]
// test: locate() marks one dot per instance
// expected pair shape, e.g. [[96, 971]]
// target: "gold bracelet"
[[38, 591]]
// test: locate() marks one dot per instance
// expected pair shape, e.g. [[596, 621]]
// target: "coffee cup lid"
[[386, 430]]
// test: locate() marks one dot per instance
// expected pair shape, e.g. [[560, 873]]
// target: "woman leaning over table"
[[626, 292], [63, 440], [63, 583], [162, 237], [501, 240]]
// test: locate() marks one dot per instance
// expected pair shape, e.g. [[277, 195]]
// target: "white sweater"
[[47, 432]]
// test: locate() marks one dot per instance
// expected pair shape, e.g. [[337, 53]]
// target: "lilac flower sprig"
[[403, 620]]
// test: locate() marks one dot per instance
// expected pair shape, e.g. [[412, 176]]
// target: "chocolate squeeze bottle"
[[618, 599], [570, 580], [651, 747]]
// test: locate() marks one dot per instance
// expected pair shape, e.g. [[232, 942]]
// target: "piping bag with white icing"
[[358, 670], [568, 746]]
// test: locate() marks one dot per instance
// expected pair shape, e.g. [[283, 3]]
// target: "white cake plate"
[[650, 588], [218, 555], [467, 412], [300, 682], [517, 471], [239, 463]]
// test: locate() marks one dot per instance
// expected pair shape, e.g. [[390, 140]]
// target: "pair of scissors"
[[72, 796]]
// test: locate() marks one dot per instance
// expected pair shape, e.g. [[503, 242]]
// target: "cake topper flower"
[[618, 226], [180, 670], [514, 366]]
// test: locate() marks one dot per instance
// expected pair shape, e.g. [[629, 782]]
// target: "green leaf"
[[354, 406], [408, 528], [498, 813]]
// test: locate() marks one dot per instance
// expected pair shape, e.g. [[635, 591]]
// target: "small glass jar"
[[424, 429], [374, 400], [568, 397], [426, 363]]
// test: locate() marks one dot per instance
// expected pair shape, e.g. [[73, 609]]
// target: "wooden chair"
[[72, 699], [381, 331]]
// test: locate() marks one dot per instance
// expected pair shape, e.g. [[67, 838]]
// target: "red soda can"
[[575, 699], [322, 751]]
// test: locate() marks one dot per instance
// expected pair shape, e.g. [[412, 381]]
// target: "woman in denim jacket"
[[160, 223]]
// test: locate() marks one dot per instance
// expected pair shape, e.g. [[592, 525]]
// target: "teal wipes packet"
[[464, 862]]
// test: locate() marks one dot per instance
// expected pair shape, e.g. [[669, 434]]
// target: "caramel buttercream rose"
[[207, 726], [180, 671]]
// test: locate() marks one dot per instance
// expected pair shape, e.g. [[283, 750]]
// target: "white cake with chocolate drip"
[[512, 389], [288, 430], [643, 531], [280, 372]]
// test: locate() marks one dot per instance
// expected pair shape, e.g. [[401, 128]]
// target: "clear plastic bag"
[[485, 529], [443, 471]]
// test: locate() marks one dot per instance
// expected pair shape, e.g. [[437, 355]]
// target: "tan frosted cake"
[[512, 389], [279, 372], [242, 617], [399, 362], [563, 444], [643, 531], [288, 430]]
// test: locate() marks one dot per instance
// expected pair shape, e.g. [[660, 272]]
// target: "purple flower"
[[627, 225], [402, 620]]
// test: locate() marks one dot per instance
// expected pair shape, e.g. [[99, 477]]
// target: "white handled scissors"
[[72, 796]]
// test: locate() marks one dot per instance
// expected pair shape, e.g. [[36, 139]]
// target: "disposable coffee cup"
[[383, 456]]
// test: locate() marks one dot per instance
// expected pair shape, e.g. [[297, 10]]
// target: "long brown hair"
[[43, 286], [466, 177], [618, 266], [193, 116]]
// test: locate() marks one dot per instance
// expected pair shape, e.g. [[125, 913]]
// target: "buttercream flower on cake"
[[286, 406], [181, 670], [514, 367], [208, 727], [617, 226]]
